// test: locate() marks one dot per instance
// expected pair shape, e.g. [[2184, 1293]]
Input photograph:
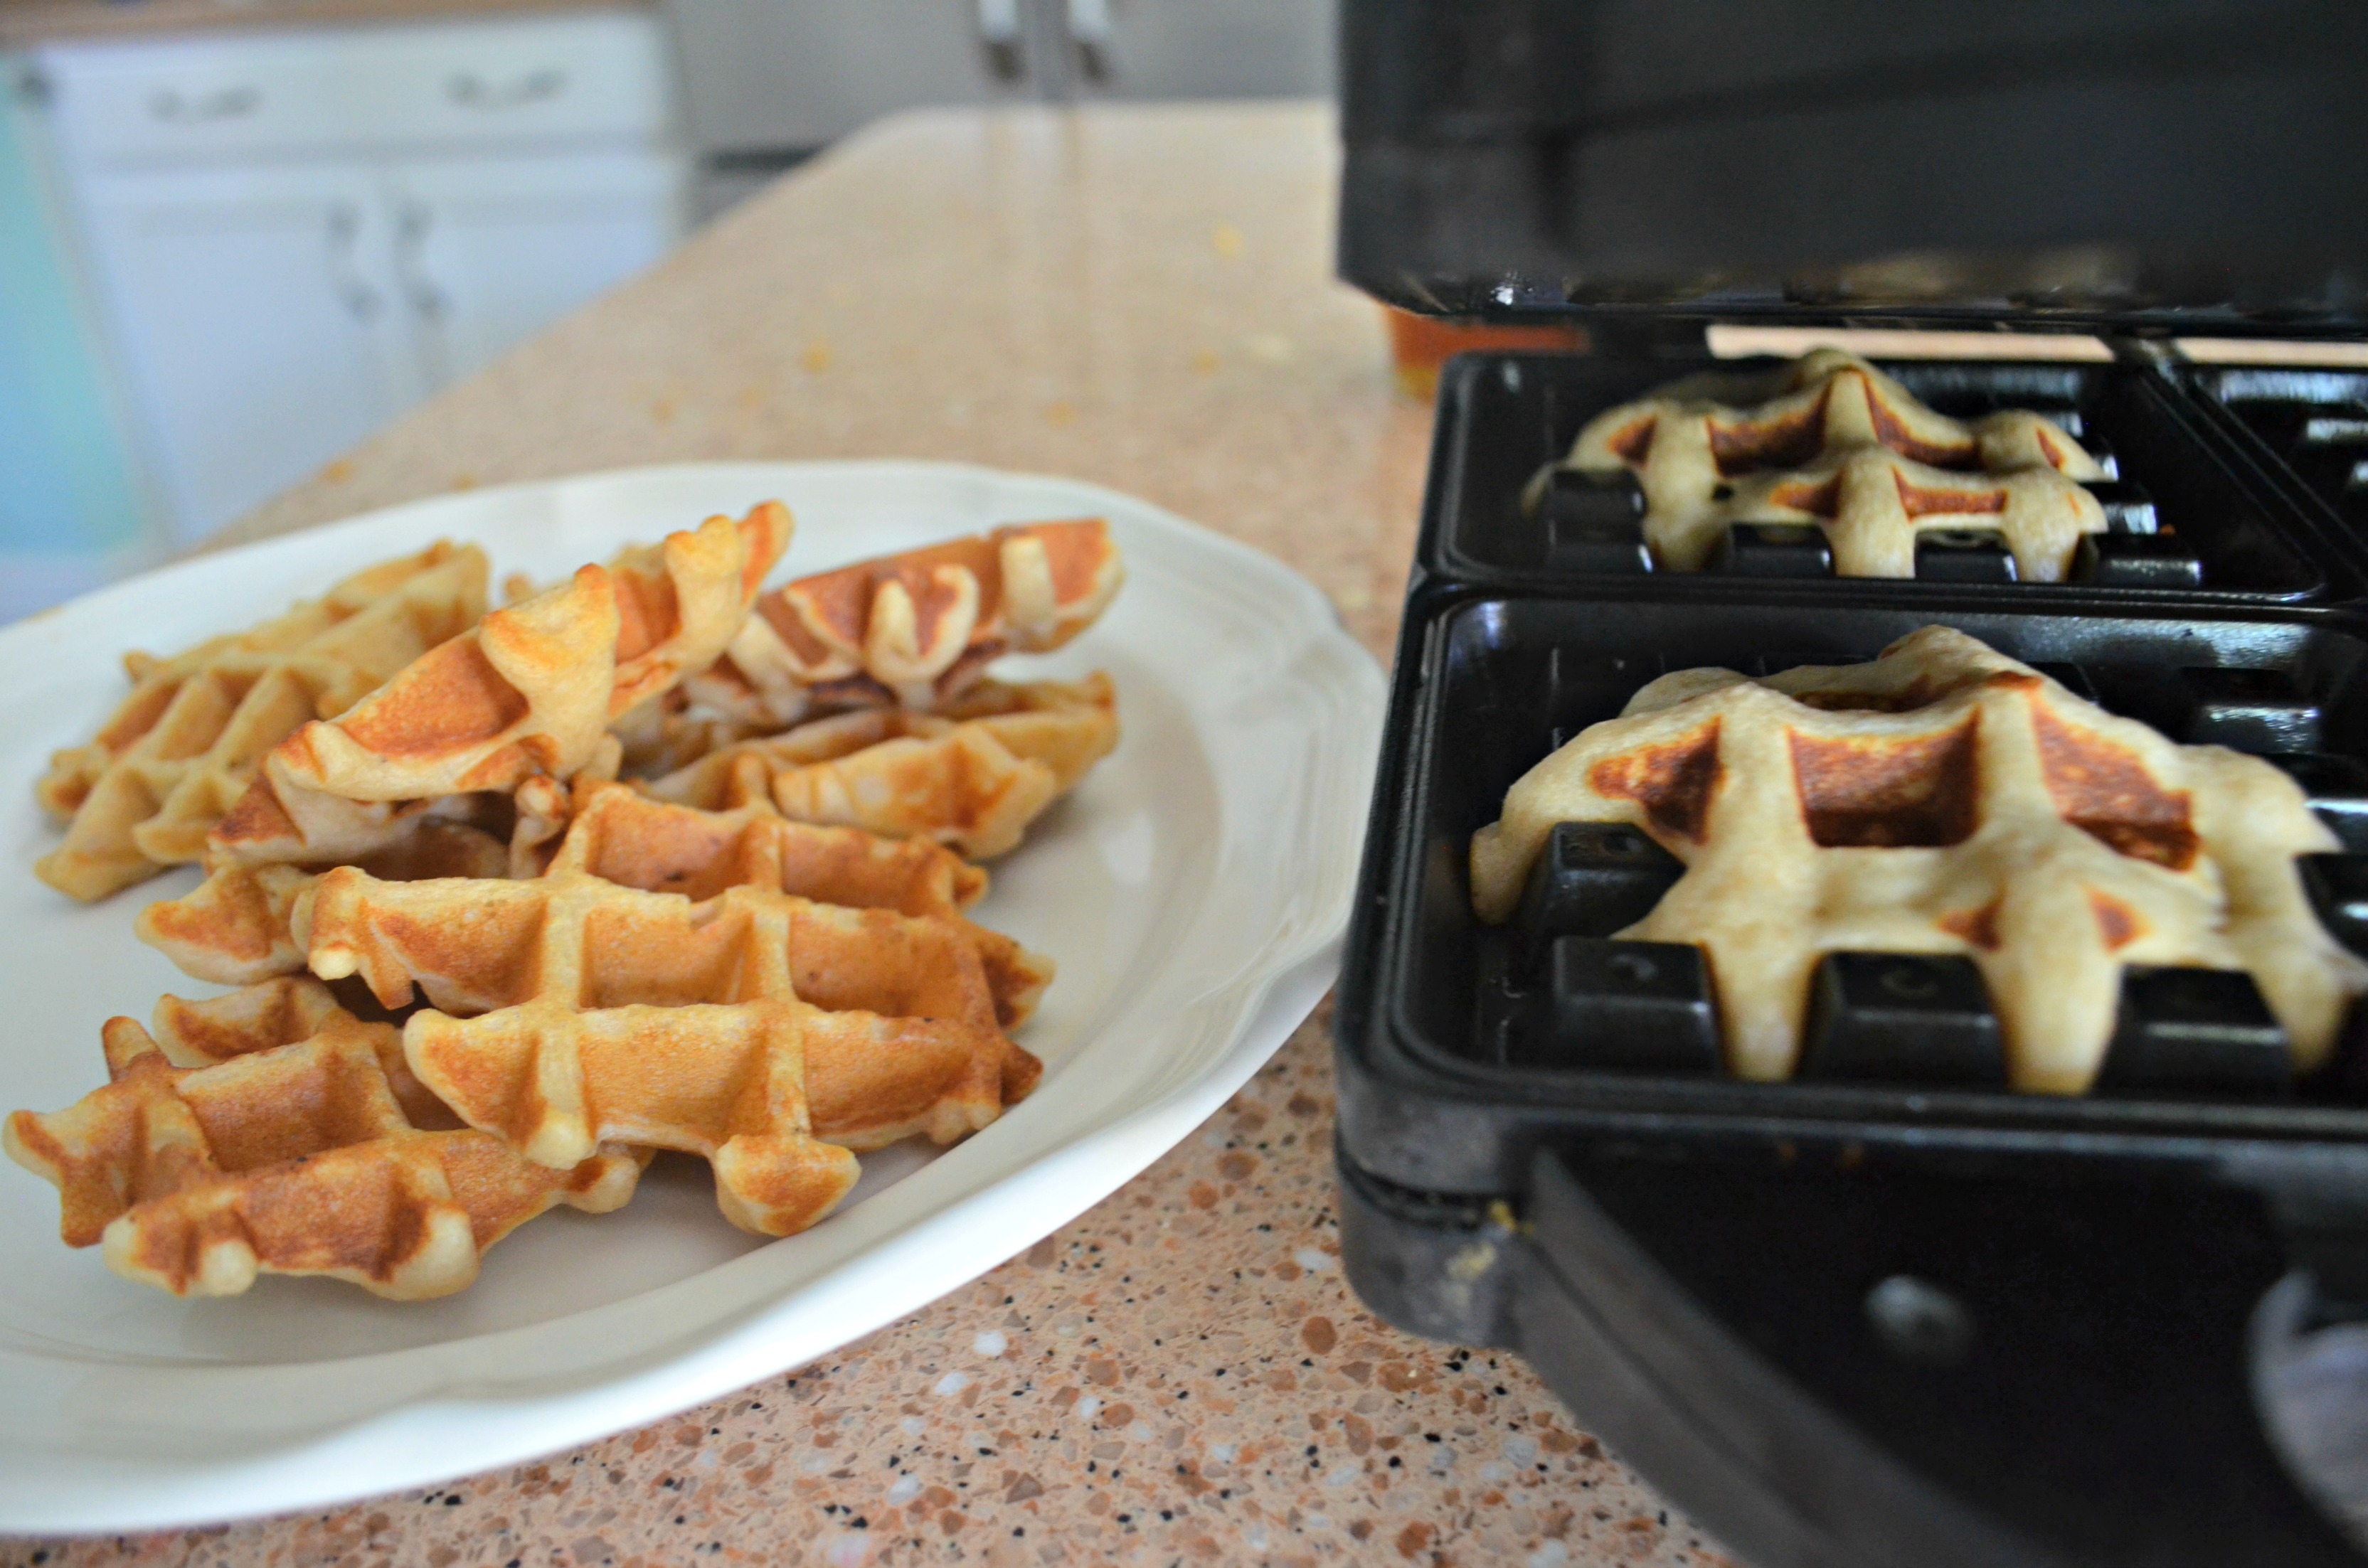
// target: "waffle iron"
[[1888, 1313]]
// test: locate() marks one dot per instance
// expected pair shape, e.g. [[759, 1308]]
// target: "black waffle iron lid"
[[2173, 166]]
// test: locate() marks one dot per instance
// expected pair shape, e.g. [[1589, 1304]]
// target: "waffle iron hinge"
[[2318, 1200], [1440, 1264], [2149, 351]]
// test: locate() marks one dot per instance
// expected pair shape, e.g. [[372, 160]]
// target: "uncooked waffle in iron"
[[1943, 799], [1832, 442], [295, 1152], [770, 1033], [179, 752], [973, 775], [529, 692], [915, 630]]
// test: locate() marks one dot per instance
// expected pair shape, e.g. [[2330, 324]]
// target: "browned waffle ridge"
[[973, 775], [528, 692], [914, 629], [179, 751], [294, 1153], [241, 925]]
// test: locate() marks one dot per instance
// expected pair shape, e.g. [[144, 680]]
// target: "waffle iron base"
[[1854, 1363]]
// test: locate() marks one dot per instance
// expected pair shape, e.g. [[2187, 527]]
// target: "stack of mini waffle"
[[651, 860]]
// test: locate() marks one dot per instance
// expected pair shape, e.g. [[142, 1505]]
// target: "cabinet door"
[[257, 321], [769, 75], [488, 251], [1202, 49], [241, 94]]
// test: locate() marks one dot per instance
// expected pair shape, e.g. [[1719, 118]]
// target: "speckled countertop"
[[1144, 298]]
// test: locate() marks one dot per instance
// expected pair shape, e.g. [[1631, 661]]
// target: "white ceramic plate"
[[1193, 892]]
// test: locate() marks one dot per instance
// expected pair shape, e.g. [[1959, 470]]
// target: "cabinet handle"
[[998, 34], [202, 109], [1090, 35], [412, 222], [362, 301], [471, 91]]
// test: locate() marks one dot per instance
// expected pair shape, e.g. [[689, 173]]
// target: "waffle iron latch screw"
[[1917, 1321]]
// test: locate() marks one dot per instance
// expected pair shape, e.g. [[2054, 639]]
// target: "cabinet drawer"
[[600, 74]]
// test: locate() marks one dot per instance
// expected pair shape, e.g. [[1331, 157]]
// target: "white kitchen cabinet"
[[453, 87], [296, 236], [1202, 49], [257, 319], [771, 74], [784, 76], [489, 251]]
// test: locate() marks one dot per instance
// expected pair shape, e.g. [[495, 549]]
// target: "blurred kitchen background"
[[238, 235]]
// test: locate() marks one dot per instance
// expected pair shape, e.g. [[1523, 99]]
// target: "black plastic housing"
[[2184, 167]]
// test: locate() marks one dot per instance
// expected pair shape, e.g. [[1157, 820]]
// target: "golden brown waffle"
[[182, 748], [630, 841], [280, 1012], [1943, 799], [974, 776], [293, 1153], [672, 732], [240, 927], [914, 629], [529, 693], [233, 928], [768, 1032], [1832, 442]]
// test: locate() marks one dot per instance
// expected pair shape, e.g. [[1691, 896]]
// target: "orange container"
[[1421, 344]]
